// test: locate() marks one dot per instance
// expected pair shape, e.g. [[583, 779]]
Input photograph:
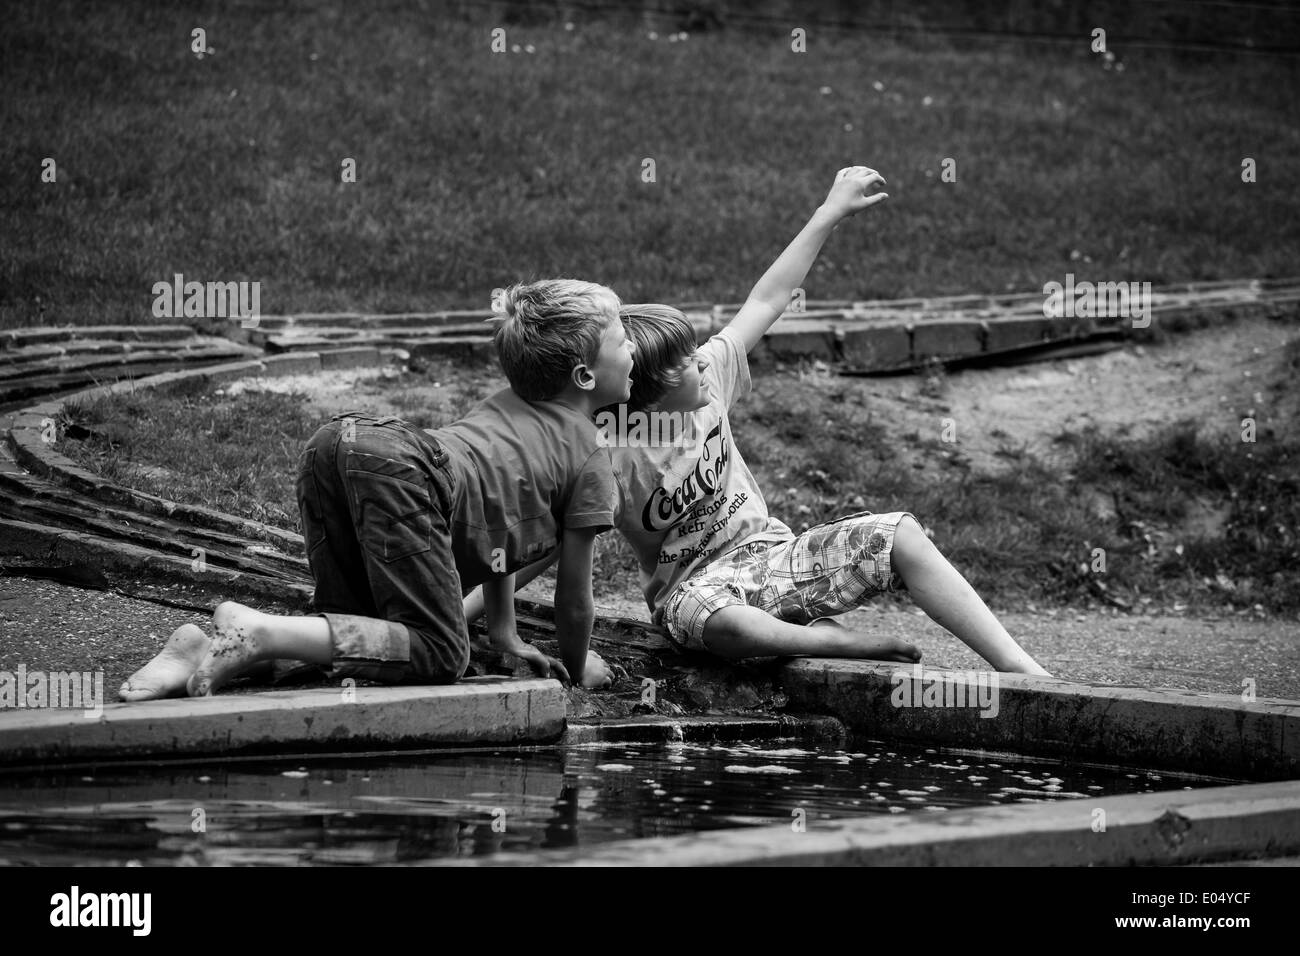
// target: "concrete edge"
[[1158, 829], [1217, 734], [477, 711], [708, 728]]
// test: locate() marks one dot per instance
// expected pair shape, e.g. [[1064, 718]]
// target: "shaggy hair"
[[664, 340], [547, 328]]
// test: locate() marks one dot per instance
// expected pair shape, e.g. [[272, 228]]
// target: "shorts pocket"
[[391, 509]]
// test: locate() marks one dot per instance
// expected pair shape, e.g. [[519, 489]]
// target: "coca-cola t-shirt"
[[685, 502]]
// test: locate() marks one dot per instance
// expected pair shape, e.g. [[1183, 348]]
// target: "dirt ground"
[[54, 627], [1215, 376]]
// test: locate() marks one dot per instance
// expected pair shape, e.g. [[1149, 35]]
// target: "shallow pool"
[[412, 808]]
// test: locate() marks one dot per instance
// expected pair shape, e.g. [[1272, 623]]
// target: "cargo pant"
[[375, 496]]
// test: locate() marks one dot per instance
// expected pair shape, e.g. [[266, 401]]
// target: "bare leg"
[[243, 637], [742, 631], [166, 675], [940, 590]]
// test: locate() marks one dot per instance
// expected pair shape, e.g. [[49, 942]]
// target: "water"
[[408, 809]]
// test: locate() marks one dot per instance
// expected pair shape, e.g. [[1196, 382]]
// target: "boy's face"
[[613, 366], [693, 391]]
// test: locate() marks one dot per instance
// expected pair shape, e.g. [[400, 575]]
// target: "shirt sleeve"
[[620, 494], [728, 371], [594, 502]]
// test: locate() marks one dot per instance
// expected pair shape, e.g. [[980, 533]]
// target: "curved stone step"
[[20, 338]]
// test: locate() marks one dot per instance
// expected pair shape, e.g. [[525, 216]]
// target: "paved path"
[[53, 626], [1212, 653]]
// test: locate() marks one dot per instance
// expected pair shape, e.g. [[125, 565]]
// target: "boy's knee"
[[719, 625], [910, 537]]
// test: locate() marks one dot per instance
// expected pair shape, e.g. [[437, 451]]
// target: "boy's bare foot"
[[166, 674], [877, 648], [873, 647], [237, 644]]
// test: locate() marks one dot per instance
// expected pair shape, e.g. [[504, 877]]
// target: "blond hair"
[[547, 328]]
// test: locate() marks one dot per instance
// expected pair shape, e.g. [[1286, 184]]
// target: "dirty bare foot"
[[166, 674], [237, 643], [863, 645]]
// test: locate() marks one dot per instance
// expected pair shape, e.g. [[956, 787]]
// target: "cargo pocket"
[[310, 514], [390, 507]]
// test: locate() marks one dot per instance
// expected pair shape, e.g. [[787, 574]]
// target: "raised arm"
[[771, 295]]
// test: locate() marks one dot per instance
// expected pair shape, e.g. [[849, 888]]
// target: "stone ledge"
[[1170, 729], [1158, 829], [480, 710], [947, 338], [292, 363], [350, 358], [19, 338], [656, 729]]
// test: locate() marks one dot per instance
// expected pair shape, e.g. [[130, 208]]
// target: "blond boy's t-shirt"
[[682, 505], [524, 472]]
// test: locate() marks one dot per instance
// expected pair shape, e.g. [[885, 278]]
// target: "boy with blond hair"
[[398, 521]]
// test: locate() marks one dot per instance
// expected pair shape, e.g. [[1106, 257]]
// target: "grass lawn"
[[475, 168]]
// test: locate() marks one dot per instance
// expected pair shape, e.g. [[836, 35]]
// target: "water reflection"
[[407, 809]]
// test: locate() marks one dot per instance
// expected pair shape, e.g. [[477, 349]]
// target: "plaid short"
[[827, 570]]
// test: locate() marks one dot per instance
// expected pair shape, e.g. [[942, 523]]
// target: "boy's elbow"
[[576, 619], [573, 623], [574, 596]]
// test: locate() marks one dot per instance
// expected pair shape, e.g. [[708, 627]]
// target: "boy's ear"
[[583, 377]]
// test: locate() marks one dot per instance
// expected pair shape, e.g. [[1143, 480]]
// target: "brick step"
[[34, 494], [282, 338], [317, 343], [37, 353], [111, 355], [33, 386], [30, 452], [18, 338], [297, 339], [355, 321], [156, 535], [123, 565]]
